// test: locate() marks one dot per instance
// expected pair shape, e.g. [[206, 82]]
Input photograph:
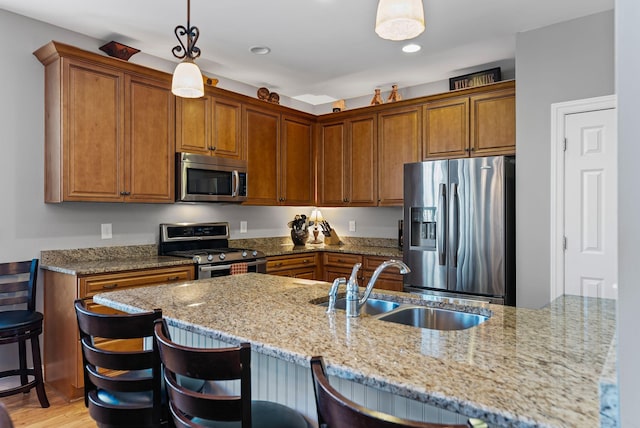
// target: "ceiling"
[[318, 47]]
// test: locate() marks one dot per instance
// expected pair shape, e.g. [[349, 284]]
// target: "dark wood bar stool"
[[208, 407], [20, 325], [122, 388], [337, 411]]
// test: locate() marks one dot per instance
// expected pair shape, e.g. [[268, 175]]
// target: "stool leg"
[[22, 356], [37, 369]]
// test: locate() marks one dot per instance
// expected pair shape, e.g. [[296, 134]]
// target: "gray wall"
[[567, 61], [628, 90]]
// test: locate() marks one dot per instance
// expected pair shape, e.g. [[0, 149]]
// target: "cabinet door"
[[332, 164], [226, 129], [149, 155], [446, 128], [493, 123], [262, 135], [193, 133], [297, 173], [362, 162], [92, 133], [399, 139]]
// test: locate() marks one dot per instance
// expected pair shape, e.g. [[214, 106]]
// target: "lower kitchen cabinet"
[[389, 279], [337, 265], [62, 353], [295, 266]]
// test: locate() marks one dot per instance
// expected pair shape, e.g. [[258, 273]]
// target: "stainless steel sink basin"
[[433, 318], [371, 307]]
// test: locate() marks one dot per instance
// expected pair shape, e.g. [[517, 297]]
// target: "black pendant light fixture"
[[187, 79]]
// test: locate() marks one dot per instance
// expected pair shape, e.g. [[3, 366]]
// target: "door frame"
[[558, 113]]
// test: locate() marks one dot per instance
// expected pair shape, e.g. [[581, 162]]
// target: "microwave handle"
[[235, 183]]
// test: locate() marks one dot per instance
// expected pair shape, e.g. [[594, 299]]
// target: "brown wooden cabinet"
[[482, 124], [295, 266], [107, 129], [279, 158], [62, 353], [340, 265], [209, 125], [347, 162], [389, 279], [399, 137]]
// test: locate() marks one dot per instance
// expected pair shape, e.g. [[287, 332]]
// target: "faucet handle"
[[333, 294]]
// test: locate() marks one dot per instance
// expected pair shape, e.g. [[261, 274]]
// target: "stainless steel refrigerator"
[[459, 228]]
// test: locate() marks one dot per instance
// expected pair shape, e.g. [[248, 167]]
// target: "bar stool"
[[122, 388], [208, 407], [20, 325], [336, 411]]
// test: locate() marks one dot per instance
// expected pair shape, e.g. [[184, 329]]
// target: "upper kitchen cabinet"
[[347, 162], [209, 125], [399, 136], [109, 129], [480, 124], [280, 168]]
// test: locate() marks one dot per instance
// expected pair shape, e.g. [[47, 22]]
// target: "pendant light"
[[399, 19], [187, 79]]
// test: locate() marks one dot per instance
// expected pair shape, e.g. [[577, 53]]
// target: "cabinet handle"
[[467, 150], [109, 286], [277, 264], [305, 261], [473, 149], [173, 278], [213, 148], [125, 193]]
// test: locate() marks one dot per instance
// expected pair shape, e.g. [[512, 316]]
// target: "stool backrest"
[[18, 283], [208, 364], [335, 410], [104, 367]]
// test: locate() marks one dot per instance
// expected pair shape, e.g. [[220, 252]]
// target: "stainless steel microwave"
[[201, 178]]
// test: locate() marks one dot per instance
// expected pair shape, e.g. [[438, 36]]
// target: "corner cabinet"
[[210, 125], [109, 131], [280, 158], [482, 124], [61, 353]]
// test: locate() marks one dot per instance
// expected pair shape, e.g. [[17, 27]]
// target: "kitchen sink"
[[433, 318], [371, 307]]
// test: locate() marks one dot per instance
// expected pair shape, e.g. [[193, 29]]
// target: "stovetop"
[[202, 242]]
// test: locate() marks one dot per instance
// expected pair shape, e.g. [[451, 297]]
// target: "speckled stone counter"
[[352, 245], [88, 261], [521, 368]]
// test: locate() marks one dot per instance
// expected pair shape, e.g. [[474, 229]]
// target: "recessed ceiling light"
[[411, 48], [260, 50]]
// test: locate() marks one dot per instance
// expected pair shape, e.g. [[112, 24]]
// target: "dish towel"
[[238, 268]]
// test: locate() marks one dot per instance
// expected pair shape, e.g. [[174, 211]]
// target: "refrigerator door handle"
[[455, 224], [441, 228]]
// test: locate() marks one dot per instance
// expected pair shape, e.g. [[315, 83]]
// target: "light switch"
[[106, 230], [243, 227], [352, 225]]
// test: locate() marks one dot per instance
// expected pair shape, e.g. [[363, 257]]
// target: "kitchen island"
[[519, 368]]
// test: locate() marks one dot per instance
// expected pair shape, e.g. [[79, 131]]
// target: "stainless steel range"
[[208, 245]]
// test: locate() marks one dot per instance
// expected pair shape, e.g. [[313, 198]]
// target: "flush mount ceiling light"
[[399, 19], [260, 50], [411, 48], [187, 79]]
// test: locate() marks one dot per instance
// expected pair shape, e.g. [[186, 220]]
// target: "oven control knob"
[[209, 257], [255, 253], [196, 259], [244, 253], [222, 256]]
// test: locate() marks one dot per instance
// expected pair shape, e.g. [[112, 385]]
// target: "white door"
[[590, 220]]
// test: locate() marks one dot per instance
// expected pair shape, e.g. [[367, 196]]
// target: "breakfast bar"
[[521, 367]]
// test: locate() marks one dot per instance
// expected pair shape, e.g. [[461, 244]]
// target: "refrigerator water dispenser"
[[423, 228]]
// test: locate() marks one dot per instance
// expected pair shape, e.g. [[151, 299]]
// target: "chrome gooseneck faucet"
[[354, 301]]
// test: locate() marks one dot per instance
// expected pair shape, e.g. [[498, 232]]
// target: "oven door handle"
[[213, 268]]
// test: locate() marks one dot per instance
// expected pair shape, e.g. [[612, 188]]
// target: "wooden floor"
[[25, 411]]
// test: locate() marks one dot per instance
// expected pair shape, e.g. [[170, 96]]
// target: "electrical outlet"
[[352, 225], [243, 227], [106, 231]]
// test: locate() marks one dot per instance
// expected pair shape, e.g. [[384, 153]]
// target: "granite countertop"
[[89, 261], [521, 367]]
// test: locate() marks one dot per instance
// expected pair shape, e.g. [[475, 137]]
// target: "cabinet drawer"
[[109, 282], [339, 259], [275, 264], [372, 262]]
